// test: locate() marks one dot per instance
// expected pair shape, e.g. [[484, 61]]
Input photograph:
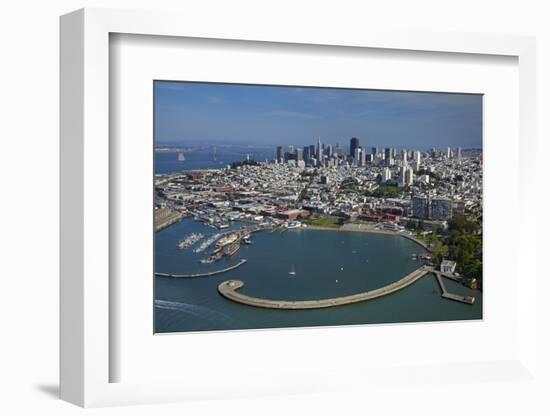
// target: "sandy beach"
[[364, 228]]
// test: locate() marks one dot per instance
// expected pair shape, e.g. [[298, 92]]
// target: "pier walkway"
[[229, 289], [416, 240], [446, 294], [190, 276]]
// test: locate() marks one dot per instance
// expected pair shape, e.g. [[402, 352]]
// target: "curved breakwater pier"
[[229, 289], [190, 276]]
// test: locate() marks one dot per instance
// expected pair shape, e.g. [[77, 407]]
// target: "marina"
[[190, 240], [207, 243]]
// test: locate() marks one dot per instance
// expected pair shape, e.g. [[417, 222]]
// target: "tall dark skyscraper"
[[388, 156], [307, 154], [353, 144], [280, 154]]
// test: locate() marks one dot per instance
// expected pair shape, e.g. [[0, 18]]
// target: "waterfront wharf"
[[446, 294], [164, 217], [230, 290], [191, 276], [241, 233], [416, 240]]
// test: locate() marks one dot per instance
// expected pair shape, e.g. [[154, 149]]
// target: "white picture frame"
[[86, 355]]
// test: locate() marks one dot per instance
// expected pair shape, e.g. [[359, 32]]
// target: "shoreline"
[[358, 229], [343, 228]]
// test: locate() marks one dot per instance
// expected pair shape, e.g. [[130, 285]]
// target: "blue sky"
[[201, 113]]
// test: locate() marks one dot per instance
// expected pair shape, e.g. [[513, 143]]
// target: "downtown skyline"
[[191, 114]]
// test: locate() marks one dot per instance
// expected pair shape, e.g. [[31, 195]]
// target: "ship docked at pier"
[[231, 249], [226, 240]]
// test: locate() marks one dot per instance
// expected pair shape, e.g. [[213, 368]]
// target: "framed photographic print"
[[262, 224], [272, 212]]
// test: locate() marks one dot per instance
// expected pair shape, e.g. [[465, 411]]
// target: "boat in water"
[[190, 240], [247, 240], [292, 271]]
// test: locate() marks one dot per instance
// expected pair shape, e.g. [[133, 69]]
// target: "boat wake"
[[192, 310]]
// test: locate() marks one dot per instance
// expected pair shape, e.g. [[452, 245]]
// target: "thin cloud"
[[294, 114], [170, 86], [215, 100]]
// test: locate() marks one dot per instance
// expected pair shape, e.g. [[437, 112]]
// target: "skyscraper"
[[387, 175], [307, 154], [319, 152], [312, 152], [416, 160], [290, 156], [406, 176], [388, 156], [353, 144], [299, 154], [359, 156], [290, 149], [409, 176], [402, 173], [280, 154]]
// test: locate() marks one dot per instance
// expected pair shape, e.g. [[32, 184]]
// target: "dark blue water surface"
[[326, 264]]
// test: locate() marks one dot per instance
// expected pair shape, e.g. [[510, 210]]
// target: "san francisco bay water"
[[326, 264], [209, 157]]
